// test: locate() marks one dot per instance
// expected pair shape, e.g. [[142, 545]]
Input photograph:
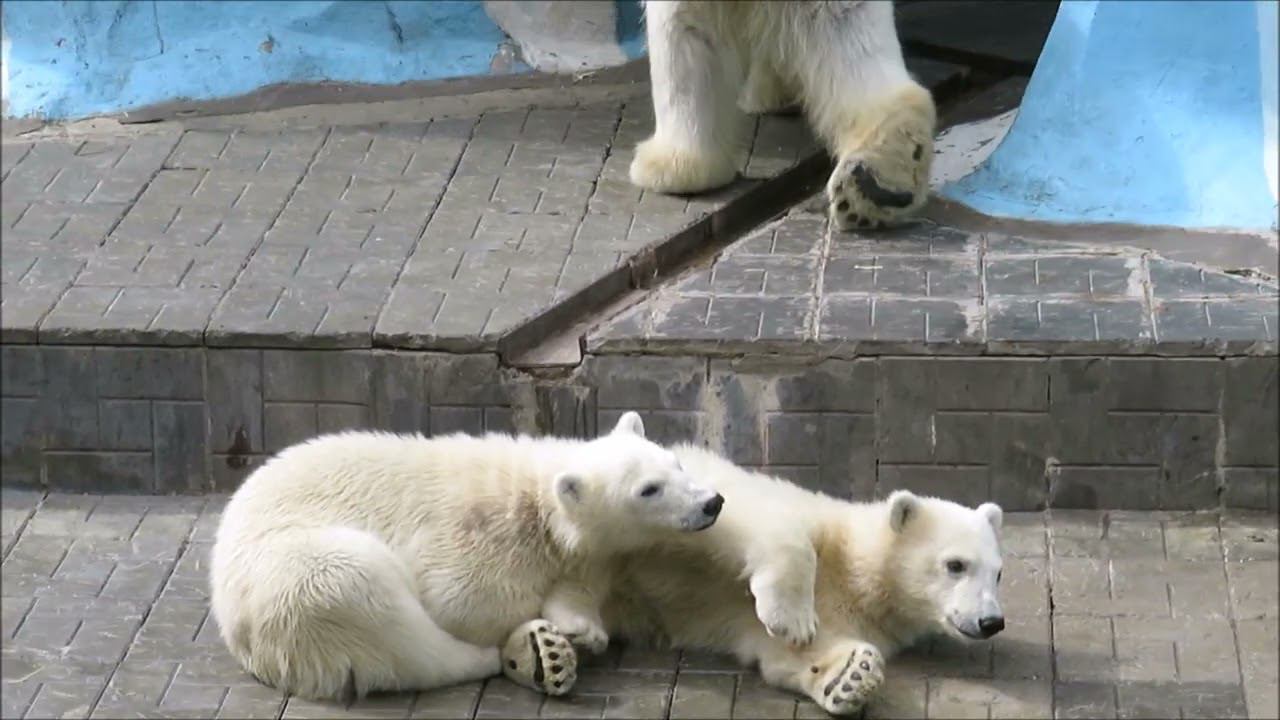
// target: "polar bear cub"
[[370, 561], [841, 59], [872, 578]]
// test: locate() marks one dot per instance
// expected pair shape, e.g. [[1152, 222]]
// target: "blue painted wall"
[[85, 57], [1142, 112]]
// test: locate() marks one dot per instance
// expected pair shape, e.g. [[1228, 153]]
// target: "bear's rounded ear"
[[630, 423], [902, 505], [993, 514], [568, 488]]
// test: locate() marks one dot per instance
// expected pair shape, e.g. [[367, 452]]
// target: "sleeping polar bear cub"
[[369, 561], [839, 58]]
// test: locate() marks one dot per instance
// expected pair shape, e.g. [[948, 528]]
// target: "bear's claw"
[[850, 686], [538, 657]]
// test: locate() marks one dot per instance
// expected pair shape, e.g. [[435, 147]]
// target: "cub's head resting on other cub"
[[622, 472], [948, 562]]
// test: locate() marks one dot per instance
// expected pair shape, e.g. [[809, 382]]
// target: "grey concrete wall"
[[1081, 432]]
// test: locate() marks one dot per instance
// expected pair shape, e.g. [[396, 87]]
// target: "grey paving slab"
[[795, 286], [439, 233], [1153, 614]]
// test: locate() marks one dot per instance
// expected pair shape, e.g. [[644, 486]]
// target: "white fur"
[[872, 576], [370, 561], [841, 59]]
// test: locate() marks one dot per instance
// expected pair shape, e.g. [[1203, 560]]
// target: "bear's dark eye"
[[955, 567], [999, 574], [650, 490]]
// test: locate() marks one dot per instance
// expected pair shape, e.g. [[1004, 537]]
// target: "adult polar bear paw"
[[538, 657], [848, 686], [662, 167], [882, 172]]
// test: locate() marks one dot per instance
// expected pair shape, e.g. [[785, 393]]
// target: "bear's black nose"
[[989, 626], [712, 508]]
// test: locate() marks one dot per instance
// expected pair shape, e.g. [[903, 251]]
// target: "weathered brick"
[[70, 394], [180, 449], [21, 371], [646, 383], [1251, 488], [965, 485], [1084, 699], [315, 376], [158, 373], [1103, 487], [703, 695], [474, 380], [94, 471], [1250, 404], [446, 703], [1143, 384], [665, 427], [125, 425], [286, 424], [234, 378]]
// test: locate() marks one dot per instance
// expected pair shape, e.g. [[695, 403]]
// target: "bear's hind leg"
[[697, 125], [539, 657], [334, 615], [842, 678]]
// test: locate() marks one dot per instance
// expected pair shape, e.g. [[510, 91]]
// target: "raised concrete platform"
[[106, 615], [181, 300]]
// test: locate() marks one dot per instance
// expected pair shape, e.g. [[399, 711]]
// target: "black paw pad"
[[555, 669], [553, 656], [871, 190], [511, 664], [843, 206]]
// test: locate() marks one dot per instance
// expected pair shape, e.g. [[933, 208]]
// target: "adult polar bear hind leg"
[[876, 577], [840, 58], [368, 561]]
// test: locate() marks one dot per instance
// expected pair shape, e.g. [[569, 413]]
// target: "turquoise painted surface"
[[631, 29], [1141, 112], [78, 58]]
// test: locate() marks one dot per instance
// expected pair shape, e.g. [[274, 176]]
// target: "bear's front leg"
[[696, 138], [783, 590], [574, 608], [883, 162], [874, 118], [842, 678]]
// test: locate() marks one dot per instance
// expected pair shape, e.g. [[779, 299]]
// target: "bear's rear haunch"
[[369, 561]]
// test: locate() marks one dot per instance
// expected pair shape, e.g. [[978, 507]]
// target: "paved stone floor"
[[105, 614], [440, 233], [794, 286]]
